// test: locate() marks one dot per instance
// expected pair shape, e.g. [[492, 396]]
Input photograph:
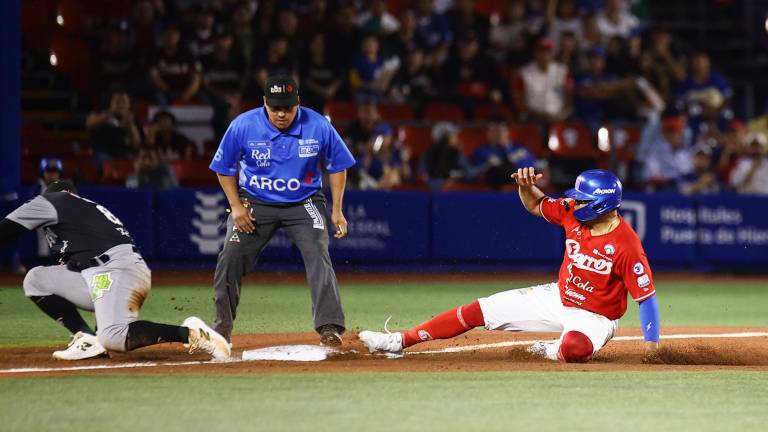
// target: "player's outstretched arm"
[[530, 195], [649, 323]]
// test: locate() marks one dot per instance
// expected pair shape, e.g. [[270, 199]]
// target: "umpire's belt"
[[93, 262]]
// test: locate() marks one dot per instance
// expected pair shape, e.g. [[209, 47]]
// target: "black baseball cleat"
[[329, 335]]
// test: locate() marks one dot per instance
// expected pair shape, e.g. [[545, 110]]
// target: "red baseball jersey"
[[597, 271]]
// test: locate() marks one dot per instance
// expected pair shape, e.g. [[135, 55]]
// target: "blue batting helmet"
[[601, 188], [51, 164]]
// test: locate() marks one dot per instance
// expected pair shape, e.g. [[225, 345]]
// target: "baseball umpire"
[[100, 270], [278, 150]]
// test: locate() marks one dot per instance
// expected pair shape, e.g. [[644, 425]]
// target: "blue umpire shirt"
[[281, 167]]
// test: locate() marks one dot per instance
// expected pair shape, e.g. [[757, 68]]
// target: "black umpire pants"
[[306, 225]]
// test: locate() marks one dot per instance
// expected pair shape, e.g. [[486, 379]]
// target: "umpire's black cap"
[[281, 90]]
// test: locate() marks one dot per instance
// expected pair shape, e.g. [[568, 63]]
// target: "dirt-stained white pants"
[[115, 291]]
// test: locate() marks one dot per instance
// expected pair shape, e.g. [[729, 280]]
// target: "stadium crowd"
[[434, 94]]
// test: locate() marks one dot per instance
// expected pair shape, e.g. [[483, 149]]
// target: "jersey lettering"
[[586, 262], [262, 157], [279, 185], [108, 214]]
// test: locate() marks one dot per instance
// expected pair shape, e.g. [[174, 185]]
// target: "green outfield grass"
[[286, 308], [526, 401], [521, 401]]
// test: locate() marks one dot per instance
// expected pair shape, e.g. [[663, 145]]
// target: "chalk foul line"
[[505, 344], [137, 365]]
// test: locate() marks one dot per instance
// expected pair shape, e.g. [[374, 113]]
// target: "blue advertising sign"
[[384, 226], [191, 224], [491, 226], [733, 229], [666, 225]]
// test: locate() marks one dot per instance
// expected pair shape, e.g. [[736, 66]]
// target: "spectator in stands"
[[224, 9], [287, 27], [201, 37], [375, 19], [164, 137], [406, 39], [224, 80], [175, 74], [371, 73], [114, 64], [535, 17], [151, 172], [620, 59], [435, 31], [469, 76], [264, 15], [342, 36], [383, 164], [663, 151], [320, 79], [616, 20], [413, 83], [568, 52], [703, 179], [51, 170], [649, 84], [495, 161], [561, 17], [243, 31], [591, 37], [509, 35], [713, 123], [362, 130], [596, 90], [760, 123], [145, 32], [702, 84], [666, 60], [113, 133], [750, 176], [315, 20], [278, 59], [443, 160], [464, 19], [543, 89]]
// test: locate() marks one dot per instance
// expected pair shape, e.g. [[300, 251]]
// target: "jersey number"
[[108, 214]]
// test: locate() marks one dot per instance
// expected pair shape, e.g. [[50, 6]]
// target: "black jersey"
[[76, 228]]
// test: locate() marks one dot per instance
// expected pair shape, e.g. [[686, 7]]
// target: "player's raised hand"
[[526, 176], [242, 219]]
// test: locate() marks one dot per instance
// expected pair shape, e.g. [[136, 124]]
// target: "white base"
[[305, 353]]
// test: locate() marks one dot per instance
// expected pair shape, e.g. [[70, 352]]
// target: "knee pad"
[[113, 337], [575, 347], [32, 286]]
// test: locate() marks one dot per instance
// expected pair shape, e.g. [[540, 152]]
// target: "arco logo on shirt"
[[278, 184], [584, 261]]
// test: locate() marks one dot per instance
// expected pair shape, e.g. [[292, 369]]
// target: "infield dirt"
[[691, 354]]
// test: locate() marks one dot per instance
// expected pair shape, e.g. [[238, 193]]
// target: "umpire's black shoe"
[[329, 335]]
